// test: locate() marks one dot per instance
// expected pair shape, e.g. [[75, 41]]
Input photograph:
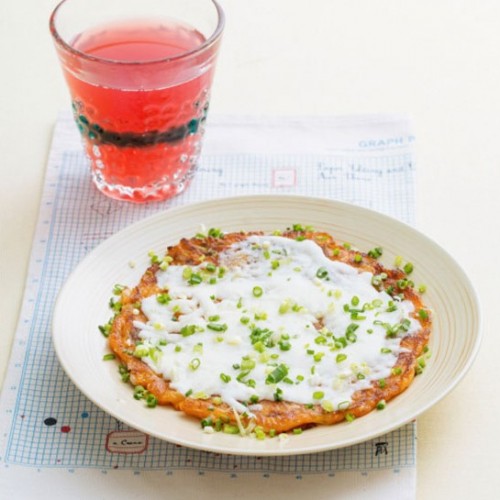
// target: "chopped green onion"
[[327, 406], [259, 433], [215, 232], [375, 252], [408, 268], [322, 273], [206, 422], [139, 392], [402, 284], [423, 314], [188, 330], [163, 298], [278, 374], [318, 356], [340, 358], [118, 289], [124, 372], [230, 429], [151, 401], [198, 348], [284, 345], [115, 305], [141, 351], [320, 340], [217, 327], [194, 364], [349, 334], [247, 364], [378, 278], [210, 267], [284, 307], [318, 395], [108, 357], [242, 375], [257, 291], [419, 367], [381, 404], [154, 259], [225, 378], [259, 346], [278, 394], [195, 279], [105, 329]]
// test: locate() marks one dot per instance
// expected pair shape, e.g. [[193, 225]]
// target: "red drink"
[[140, 94]]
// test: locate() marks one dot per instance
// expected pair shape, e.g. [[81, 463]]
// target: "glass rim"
[[211, 40]]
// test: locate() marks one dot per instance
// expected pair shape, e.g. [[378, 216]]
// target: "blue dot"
[[85, 414]]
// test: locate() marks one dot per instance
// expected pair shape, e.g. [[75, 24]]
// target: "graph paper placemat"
[[47, 424]]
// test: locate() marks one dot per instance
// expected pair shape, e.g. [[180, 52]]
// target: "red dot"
[[65, 428]]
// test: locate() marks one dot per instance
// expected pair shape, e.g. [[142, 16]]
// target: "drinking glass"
[[139, 73]]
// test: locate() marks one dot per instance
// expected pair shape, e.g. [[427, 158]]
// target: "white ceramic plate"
[[83, 304]]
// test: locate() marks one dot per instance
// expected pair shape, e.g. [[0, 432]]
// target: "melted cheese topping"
[[275, 320]]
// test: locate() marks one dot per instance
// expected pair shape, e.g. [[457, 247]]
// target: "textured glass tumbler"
[[139, 74]]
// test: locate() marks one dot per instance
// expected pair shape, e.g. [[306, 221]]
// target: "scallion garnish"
[[423, 314], [151, 400], [278, 394], [194, 364], [375, 253], [217, 327], [408, 268], [322, 273], [278, 374], [341, 357]]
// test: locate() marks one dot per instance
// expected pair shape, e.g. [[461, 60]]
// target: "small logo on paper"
[[284, 177], [126, 442]]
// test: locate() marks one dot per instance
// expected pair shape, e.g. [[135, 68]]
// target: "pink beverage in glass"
[[140, 94]]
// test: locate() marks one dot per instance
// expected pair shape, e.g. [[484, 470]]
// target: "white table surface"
[[437, 59]]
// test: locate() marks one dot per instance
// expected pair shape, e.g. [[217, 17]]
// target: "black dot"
[[50, 421]]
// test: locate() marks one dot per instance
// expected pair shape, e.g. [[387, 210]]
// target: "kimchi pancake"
[[275, 332]]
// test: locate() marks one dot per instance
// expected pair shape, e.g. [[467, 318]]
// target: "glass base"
[[159, 191]]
